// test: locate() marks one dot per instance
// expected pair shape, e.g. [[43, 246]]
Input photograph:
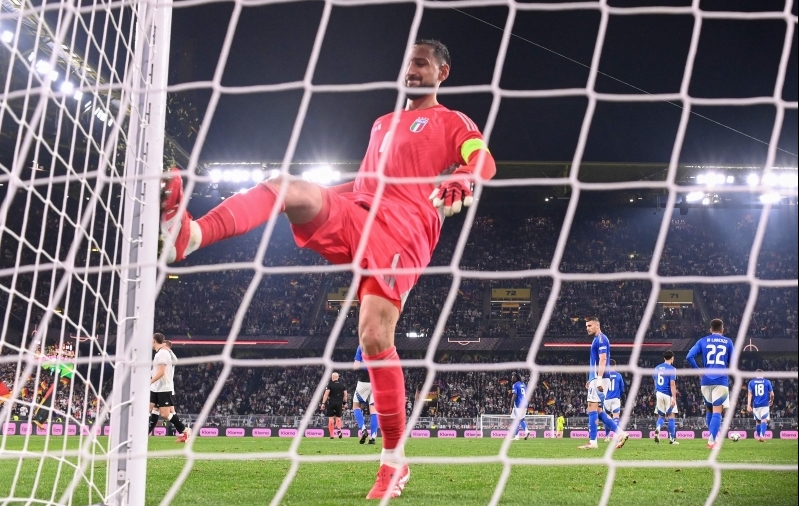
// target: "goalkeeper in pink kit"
[[429, 140]]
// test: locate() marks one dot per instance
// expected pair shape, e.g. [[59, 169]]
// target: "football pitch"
[[220, 482]]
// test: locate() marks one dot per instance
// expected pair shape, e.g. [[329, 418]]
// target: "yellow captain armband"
[[471, 146]]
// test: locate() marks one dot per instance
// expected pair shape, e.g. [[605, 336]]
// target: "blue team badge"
[[418, 125]]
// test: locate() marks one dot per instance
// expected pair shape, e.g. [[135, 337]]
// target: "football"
[[735, 436]]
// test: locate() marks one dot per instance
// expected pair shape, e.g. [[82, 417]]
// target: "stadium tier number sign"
[[676, 297], [517, 294]]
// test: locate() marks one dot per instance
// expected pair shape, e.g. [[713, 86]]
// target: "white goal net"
[[82, 118], [84, 103]]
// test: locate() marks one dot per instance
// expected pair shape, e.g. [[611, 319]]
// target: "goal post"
[[505, 422], [127, 474]]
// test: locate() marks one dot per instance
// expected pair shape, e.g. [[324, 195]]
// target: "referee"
[[334, 399]]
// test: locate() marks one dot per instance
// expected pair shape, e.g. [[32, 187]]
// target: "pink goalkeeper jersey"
[[426, 143]]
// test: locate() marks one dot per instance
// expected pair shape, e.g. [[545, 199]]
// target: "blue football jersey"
[[716, 351], [599, 346], [761, 390], [616, 386], [359, 354], [664, 373], [519, 390]]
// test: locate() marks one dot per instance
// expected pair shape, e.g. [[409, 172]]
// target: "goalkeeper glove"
[[453, 194]]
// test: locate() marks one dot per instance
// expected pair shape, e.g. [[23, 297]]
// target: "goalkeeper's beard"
[[419, 94], [416, 96]]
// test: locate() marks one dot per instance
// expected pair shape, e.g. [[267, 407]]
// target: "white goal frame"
[[505, 422], [127, 472]]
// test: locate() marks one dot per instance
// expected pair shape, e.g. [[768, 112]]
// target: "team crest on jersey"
[[419, 124]]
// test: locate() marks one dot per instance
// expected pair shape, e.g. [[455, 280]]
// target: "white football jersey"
[[170, 370], [164, 384]]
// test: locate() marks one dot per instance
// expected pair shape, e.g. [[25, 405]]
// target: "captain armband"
[[471, 146]]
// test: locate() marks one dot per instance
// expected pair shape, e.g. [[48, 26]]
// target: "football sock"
[[763, 428], [173, 418], [330, 427], [388, 389], [373, 425], [659, 424], [153, 421], [592, 416], [523, 426], [338, 423], [616, 421], [610, 425], [708, 415], [238, 214], [672, 429], [715, 425], [358, 418], [394, 458]]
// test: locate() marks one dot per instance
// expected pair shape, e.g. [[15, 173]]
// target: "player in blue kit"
[[761, 392], [363, 395], [666, 396], [598, 385], [518, 405], [612, 402], [715, 350]]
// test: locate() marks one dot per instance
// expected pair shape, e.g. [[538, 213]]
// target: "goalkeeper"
[[426, 141], [58, 371]]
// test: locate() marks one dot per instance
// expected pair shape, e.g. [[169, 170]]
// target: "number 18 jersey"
[[716, 351], [761, 392]]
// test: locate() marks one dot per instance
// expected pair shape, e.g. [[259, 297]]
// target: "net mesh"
[[67, 150], [69, 73]]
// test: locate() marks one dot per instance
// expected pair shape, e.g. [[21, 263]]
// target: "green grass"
[[254, 482]]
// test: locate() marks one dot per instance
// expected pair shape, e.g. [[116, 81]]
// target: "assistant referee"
[[334, 399]]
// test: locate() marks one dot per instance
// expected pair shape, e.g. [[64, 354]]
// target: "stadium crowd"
[[291, 303], [74, 398], [287, 391], [712, 243]]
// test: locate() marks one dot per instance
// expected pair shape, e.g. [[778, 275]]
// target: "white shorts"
[[593, 393], [761, 413], [663, 404], [717, 395], [519, 413], [613, 405], [363, 393]]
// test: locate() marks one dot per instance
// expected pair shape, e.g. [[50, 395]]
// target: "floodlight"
[[257, 175], [770, 179], [705, 201], [694, 197], [216, 175], [752, 180], [323, 174], [78, 95], [67, 88], [770, 198], [239, 175], [8, 36], [44, 67]]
